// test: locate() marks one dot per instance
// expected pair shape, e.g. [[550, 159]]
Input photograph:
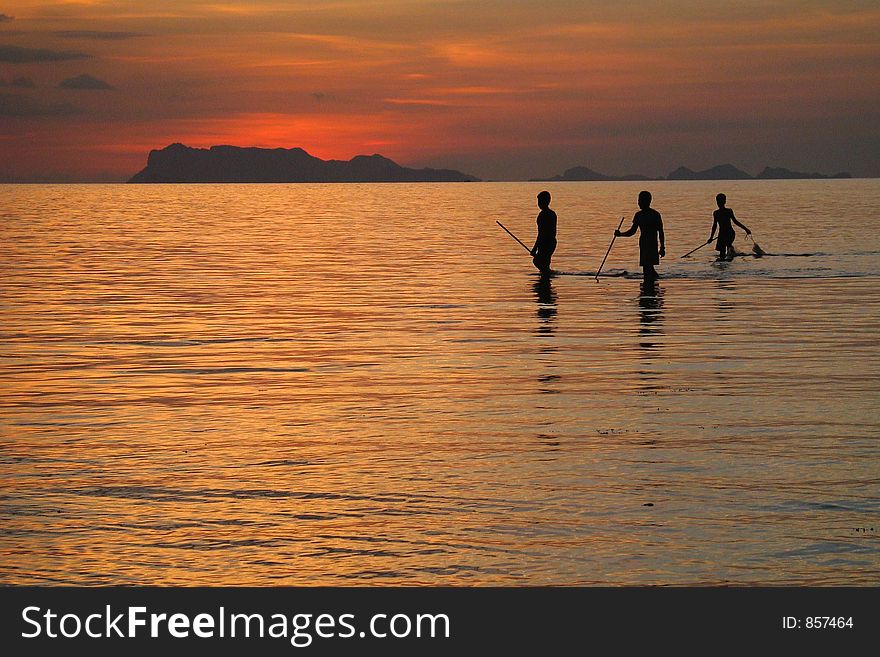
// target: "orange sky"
[[499, 89]]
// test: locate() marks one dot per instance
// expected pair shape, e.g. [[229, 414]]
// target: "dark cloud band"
[[18, 55], [97, 35], [20, 82], [12, 105]]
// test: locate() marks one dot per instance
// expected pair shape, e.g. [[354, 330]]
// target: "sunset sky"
[[499, 89]]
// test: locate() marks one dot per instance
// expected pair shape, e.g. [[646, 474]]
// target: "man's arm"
[[734, 220], [662, 236], [630, 232], [537, 237]]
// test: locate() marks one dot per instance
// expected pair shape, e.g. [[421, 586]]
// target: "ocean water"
[[369, 384]]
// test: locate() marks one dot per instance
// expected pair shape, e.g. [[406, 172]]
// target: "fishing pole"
[[514, 237], [699, 247], [609, 249], [757, 250]]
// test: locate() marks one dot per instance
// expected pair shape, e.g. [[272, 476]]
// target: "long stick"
[[699, 247], [609, 249], [514, 237]]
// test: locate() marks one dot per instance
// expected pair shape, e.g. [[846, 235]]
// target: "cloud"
[[5, 19], [97, 35], [20, 82], [320, 96], [84, 82], [23, 107], [17, 55], [430, 102]]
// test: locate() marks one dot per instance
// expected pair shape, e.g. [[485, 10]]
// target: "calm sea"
[[369, 384]]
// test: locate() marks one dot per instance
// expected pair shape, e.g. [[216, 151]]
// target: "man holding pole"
[[650, 226], [722, 219]]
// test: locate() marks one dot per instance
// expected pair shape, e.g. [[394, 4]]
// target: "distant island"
[[178, 163], [583, 173], [720, 172], [781, 174]]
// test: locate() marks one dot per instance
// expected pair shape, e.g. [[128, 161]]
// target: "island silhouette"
[[719, 172], [585, 173], [178, 163]]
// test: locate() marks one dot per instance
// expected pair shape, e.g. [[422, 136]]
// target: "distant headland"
[[219, 164], [178, 163], [720, 172]]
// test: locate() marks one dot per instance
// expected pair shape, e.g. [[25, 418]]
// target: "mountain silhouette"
[[780, 173], [720, 172], [583, 173], [178, 163]]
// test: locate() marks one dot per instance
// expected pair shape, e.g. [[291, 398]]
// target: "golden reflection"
[[304, 385], [650, 318]]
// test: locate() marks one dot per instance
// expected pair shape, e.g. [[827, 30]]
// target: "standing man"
[[545, 243], [650, 226]]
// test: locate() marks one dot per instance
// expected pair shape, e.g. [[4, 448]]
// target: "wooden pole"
[[514, 237], [609, 249], [699, 247]]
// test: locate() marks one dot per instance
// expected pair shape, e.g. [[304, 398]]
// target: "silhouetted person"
[[650, 226], [545, 243], [722, 218]]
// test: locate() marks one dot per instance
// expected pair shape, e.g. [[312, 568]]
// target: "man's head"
[[644, 200], [544, 200], [721, 200]]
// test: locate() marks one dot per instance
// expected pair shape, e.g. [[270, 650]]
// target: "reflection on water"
[[545, 297], [726, 302], [650, 331], [302, 384], [650, 315]]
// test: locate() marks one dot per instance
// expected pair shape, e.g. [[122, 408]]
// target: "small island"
[[719, 172], [178, 163], [587, 174]]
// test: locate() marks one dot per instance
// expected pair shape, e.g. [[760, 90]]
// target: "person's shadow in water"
[[545, 297], [650, 316], [726, 304], [650, 333]]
